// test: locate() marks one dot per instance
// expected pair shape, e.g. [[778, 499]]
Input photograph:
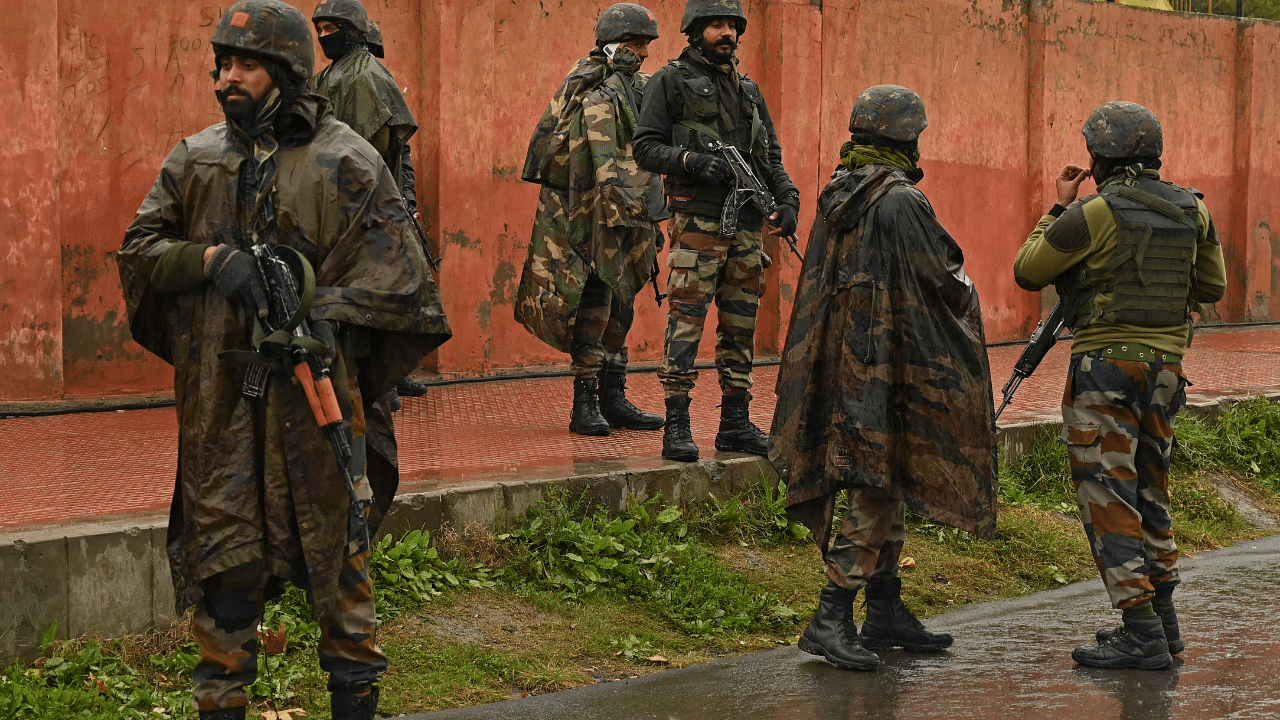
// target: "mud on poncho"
[[594, 210], [884, 379]]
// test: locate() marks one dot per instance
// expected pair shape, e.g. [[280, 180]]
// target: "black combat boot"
[[586, 418], [737, 432], [347, 703], [1140, 643], [617, 409], [677, 437], [890, 624], [408, 387], [232, 714], [1168, 620], [833, 634]]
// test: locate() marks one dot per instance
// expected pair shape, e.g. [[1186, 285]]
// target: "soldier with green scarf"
[[259, 500], [595, 238], [884, 390]]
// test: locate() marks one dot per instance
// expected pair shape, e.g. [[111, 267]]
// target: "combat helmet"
[[1123, 130], [696, 10], [351, 11], [270, 28], [625, 21], [891, 112], [373, 39]]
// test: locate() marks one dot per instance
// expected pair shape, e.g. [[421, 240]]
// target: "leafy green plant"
[[759, 517]]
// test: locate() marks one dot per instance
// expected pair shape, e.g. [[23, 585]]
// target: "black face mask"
[[336, 45]]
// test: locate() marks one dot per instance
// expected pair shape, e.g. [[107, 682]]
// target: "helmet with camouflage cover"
[[373, 39], [891, 112], [696, 10], [270, 28], [1123, 130], [626, 21], [349, 10]]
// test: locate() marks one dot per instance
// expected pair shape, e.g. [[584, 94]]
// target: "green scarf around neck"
[[854, 156]]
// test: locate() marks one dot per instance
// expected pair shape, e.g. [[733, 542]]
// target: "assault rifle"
[[434, 262], [289, 337], [1042, 340], [746, 188]]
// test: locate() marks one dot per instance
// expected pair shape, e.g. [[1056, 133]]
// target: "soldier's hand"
[[1068, 182], [235, 274], [709, 169], [784, 221], [322, 330]]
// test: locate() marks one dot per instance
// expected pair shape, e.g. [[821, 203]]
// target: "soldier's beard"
[[238, 106], [721, 52]]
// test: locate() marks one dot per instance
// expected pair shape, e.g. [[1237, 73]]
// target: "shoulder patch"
[[1070, 232]]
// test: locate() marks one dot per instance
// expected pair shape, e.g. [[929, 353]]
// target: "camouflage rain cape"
[[884, 379], [594, 209], [256, 478], [364, 95]]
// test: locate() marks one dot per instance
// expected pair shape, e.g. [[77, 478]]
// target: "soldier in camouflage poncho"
[[884, 389], [595, 238], [363, 94], [258, 498]]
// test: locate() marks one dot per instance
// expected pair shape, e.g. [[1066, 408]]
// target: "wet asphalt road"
[[1011, 659]]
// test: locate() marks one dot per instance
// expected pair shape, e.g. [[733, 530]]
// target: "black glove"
[[788, 218], [236, 276], [709, 169], [322, 330]]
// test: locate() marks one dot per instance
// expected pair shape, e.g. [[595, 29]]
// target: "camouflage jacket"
[[364, 95], [255, 477], [884, 379], [597, 210]]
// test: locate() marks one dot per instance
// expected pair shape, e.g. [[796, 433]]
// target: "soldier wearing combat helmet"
[[884, 389], [364, 95], [259, 499], [696, 101], [1131, 264], [595, 239]]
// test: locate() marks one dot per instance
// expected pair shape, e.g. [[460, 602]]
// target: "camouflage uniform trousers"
[[870, 538], [705, 266], [600, 331], [225, 625], [1117, 418]]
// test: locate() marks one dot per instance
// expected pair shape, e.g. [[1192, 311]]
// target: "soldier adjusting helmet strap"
[[625, 21], [269, 28], [697, 11]]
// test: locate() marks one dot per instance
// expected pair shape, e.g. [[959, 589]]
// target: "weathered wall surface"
[[92, 105]]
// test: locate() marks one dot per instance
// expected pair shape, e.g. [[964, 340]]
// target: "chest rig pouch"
[[1150, 280]]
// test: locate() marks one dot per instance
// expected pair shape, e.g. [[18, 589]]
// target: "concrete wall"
[[93, 104]]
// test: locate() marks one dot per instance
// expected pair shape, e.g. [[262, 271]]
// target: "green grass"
[[571, 596]]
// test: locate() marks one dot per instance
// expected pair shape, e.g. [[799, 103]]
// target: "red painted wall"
[[91, 105]]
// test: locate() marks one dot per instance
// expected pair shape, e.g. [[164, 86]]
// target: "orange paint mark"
[[240, 19]]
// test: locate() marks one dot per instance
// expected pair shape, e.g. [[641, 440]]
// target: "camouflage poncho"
[[255, 477], [364, 95], [594, 211], [884, 378]]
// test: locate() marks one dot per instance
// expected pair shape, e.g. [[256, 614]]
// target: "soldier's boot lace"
[[1140, 643], [737, 432], [677, 436], [1168, 620], [227, 714], [618, 410], [586, 418], [357, 701], [832, 633], [408, 387], [890, 624]]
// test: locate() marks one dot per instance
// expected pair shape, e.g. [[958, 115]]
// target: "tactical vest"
[[702, 121], [1150, 281]]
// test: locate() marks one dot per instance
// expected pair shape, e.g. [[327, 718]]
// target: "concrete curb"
[[112, 577]]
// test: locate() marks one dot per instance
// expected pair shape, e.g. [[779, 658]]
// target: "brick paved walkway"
[[96, 465]]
